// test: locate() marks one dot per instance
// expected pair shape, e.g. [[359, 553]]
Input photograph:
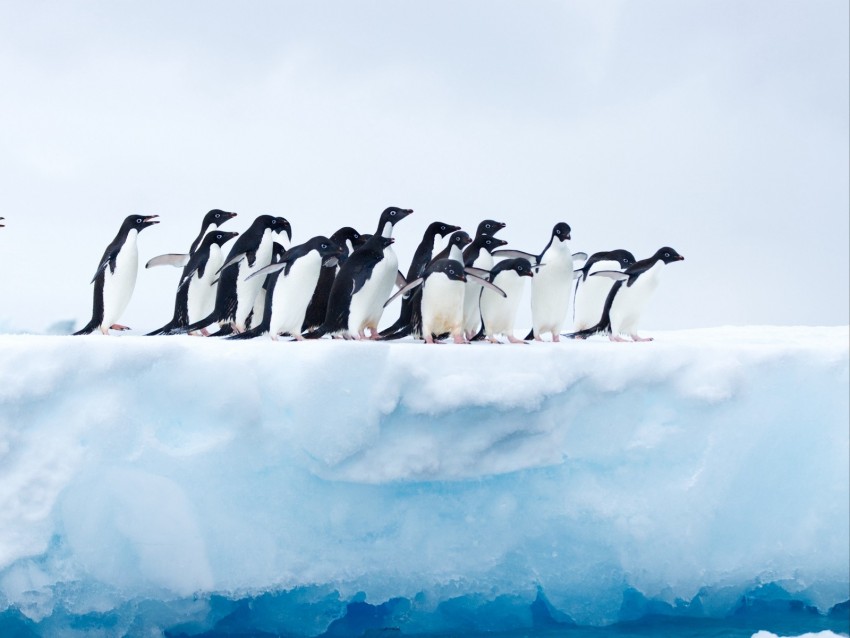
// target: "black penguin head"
[[561, 231], [491, 243], [520, 265], [451, 268], [217, 238], [394, 215], [460, 239], [489, 227], [2, 225], [668, 255], [346, 233], [624, 257], [217, 217], [325, 247], [275, 224], [440, 228], [139, 222]]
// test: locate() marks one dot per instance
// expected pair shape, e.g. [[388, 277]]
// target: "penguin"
[[499, 313], [488, 227], [453, 250], [628, 296], [256, 316], [443, 284], [478, 255], [591, 292], [235, 296], [367, 303], [348, 239], [196, 291], [212, 219], [351, 280], [552, 285], [115, 276], [290, 284], [422, 256]]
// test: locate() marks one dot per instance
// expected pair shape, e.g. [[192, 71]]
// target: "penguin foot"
[[617, 338], [459, 339], [118, 326], [514, 339], [556, 338], [493, 340], [641, 339]]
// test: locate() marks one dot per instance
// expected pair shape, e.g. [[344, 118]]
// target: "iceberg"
[[185, 486]]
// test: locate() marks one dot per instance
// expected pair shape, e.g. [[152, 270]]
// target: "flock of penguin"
[[340, 285]]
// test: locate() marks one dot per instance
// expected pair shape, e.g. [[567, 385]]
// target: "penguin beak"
[[680, 258], [151, 219]]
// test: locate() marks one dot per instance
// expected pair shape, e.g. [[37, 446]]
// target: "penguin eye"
[[217, 215], [139, 220], [356, 236], [666, 254], [392, 213], [324, 245], [558, 232], [218, 236], [487, 226]]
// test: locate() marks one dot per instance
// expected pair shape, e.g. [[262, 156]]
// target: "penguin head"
[[451, 268], [394, 215], [385, 242], [2, 225], [561, 231], [346, 233], [668, 255], [624, 257], [139, 222], [281, 225], [489, 227], [460, 239], [491, 243], [440, 228], [217, 217], [218, 238], [520, 265]]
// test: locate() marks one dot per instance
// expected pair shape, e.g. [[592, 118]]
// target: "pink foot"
[[637, 338], [617, 338]]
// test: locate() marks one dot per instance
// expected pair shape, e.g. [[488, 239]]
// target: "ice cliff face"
[[597, 481]]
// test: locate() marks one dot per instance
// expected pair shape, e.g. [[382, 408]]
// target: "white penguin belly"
[[200, 301], [472, 294], [246, 291], [118, 286], [591, 295], [499, 313], [551, 287], [442, 305], [367, 305], [292, 294], [630, 301]]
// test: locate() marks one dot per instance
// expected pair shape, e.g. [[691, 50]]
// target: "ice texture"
[[154, 483]]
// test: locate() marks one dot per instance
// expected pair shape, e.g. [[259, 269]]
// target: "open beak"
[[151, 219]]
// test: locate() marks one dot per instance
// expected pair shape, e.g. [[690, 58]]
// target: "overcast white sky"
[[717, 127]]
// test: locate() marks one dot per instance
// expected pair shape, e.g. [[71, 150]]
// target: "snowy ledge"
[[163, 468]]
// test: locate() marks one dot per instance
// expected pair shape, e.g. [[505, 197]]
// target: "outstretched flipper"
[[580, 256], [404, 289], [268, 270], [178, 260], [400, 281], [512, 254], [616, 275], [233, 260], [481, 273], [487, 284]]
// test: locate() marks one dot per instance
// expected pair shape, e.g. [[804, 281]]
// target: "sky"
[[720, 128]]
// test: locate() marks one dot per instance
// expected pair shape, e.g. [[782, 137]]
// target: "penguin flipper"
[[477, 272], [404, 289], [487, 284], [512, 254], [178, 260], [267, 270], [233, 260], [580, 255], [616, 275], [400, 281]]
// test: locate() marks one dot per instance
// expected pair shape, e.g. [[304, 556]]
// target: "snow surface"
[[683, 471]]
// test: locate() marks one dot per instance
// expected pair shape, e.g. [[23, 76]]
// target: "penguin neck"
[[456, 253], [386, 229]]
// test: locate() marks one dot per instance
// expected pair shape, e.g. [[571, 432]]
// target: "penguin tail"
[[402, 322], [253, 333], [89, 328], [479, 336], [587, 332], [170, 328], [199, 325], [318, 333], [530, 335], [398, 334]]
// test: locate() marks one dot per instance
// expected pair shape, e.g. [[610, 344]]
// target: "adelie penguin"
[[196, 290], [115, 276], [212, 219], [422, 256], [290, 285], [348, 239], [499, 313], [353, 276], [441, 301], [479, 254], [236, 293], [628, 296], [367, 304], [552, 285], [591, 292]]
